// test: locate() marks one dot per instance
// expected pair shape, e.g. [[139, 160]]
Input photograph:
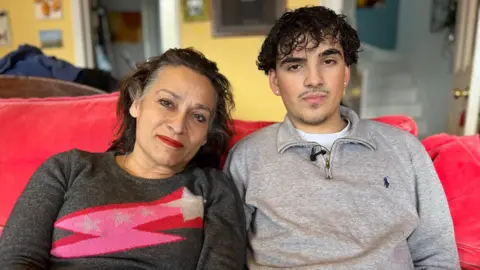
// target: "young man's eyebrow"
[[331, 51], [290, 59]]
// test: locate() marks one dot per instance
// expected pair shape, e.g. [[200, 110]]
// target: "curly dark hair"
[[304, 26], [135, 87]]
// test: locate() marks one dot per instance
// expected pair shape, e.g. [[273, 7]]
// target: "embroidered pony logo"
[[385, 182]]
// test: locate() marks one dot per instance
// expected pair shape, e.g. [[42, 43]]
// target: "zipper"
[[328, 168], [328, 159]]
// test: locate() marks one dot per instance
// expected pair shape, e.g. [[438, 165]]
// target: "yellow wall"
[[236, 58], [25, 28]]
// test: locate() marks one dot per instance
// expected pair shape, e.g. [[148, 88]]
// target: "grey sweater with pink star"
[[82, 211]]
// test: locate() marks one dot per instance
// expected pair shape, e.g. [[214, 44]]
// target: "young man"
[[324, 189]]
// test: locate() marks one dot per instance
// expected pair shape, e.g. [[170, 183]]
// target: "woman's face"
[[173, 117]]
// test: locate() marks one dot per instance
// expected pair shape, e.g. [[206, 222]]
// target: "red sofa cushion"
[[35, 129], [457, 162]]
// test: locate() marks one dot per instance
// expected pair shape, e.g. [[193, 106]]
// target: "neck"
[[332, 124], [140, 165]]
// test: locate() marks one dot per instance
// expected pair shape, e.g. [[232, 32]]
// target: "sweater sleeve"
[[224, 245], [236, 169], [26, 239], [432, 243]]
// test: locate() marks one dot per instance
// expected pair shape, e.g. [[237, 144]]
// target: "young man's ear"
[[273, 81], [134, 108], [347, 75]]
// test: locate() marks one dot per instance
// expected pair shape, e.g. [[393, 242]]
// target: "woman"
[[149, 202]]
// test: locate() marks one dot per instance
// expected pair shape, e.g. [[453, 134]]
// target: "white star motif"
[[121, 218], [191, 205], [146, 212], [90, 225]]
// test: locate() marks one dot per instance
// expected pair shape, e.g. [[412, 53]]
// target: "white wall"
[[423, 51]]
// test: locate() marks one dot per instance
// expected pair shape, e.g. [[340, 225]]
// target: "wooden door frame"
[[472, 111], [473, 103]]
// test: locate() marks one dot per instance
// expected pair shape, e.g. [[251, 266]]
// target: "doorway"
[[428, 73], [155, 28]]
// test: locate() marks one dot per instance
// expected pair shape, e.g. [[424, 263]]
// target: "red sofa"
[[34, 129]]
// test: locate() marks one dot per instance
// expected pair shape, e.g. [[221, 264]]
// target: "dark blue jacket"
[[28, 60]]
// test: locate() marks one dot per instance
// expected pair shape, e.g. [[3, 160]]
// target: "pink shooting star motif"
[[119, 227]]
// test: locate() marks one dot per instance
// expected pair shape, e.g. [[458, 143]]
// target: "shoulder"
[[263, 137], [384, 134], [72, 161], [74, 154], [212, 176], [214, 180]]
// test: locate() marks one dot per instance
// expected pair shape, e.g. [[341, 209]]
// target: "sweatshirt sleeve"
[[224, 245], [236, 168], [432, 243], [26, 239]]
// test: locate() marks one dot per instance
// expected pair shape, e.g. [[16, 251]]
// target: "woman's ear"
[[134, 108]]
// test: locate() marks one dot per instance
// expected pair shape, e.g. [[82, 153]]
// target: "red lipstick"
[[169, 141]]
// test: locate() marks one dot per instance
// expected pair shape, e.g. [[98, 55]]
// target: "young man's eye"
[[165, 103], [330, 62], [294, 67], [199, 117]]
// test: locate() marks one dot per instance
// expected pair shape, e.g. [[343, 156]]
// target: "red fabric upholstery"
[[34, 129], [403, 122], [457, 162]]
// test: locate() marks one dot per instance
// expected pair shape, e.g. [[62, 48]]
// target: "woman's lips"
[[169, 141]]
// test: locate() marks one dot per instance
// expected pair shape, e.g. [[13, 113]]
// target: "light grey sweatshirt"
[[373, 202]]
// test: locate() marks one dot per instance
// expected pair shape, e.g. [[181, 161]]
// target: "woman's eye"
[[199, 117], [166, 103]]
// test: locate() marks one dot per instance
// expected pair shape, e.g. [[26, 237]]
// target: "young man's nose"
[[313, 78]]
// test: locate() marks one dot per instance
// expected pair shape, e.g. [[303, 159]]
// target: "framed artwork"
[[48, 9], [5, 31], [245, 17], [51, 39], [370, 3], [195, 10]]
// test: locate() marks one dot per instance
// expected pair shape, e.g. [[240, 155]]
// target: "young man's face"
[[311, 83]]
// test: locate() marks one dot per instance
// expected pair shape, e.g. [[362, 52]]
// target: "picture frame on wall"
[[5, 30], [245, 17], [48, 9], [51, 38], [195, 10]]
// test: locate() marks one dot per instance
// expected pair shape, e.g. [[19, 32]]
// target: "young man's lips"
[[314, 99], [170, 141]]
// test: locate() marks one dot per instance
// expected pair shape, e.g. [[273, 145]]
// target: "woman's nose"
[[177, 124]]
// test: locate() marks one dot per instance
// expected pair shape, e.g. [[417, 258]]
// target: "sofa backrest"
[[34, 129]]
